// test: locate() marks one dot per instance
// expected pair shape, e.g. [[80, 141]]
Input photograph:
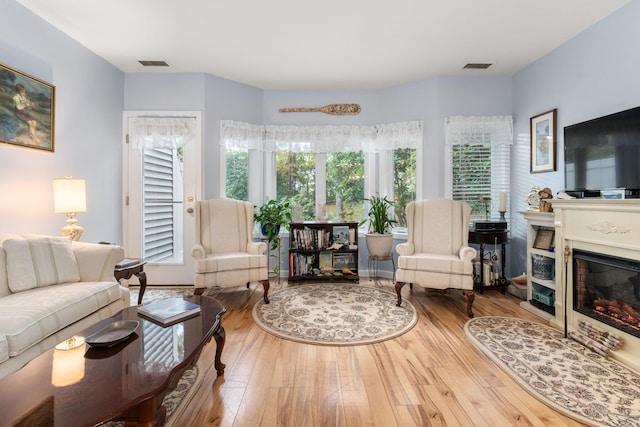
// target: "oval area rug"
[[560, 372], [334, 314]]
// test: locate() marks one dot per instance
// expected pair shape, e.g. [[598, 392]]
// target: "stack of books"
[[167, 311]]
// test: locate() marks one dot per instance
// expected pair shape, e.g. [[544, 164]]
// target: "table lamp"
[[69, 197]]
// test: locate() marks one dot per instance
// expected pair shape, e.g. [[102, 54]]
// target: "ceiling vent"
[[476, 66], [154, 63]]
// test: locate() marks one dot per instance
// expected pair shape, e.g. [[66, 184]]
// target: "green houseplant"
[[272, 216], [379, 239], [379, 216]]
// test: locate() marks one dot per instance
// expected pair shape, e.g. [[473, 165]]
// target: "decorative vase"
[[323, 213], [379, 245]]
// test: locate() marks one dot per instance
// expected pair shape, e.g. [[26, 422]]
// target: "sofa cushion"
[[37, 262], [29, 316], [230, 262], [4, 349]]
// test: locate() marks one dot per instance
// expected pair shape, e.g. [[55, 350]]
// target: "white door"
[[161, 185]]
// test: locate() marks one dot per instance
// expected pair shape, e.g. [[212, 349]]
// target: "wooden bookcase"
[[323, 251]]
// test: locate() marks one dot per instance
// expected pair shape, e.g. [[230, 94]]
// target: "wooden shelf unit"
[[313, 256]]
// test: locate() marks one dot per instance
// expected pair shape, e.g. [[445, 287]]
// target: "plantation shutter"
[[478, 159], [159, 199]]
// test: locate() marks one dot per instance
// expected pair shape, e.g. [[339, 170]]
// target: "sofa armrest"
[[96, 261], [256, 248], [198, 252], [405, 249], [467, 253]]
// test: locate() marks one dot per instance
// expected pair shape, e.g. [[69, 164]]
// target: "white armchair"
[[225, 252], [437, 254]]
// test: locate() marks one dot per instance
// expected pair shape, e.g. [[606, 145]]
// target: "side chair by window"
[[436, 254], [225, 252]]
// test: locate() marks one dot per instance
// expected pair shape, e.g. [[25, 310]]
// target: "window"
[[296, 180], [237, 173], [334, 165], [478, 151]]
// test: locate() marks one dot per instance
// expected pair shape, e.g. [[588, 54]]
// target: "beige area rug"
[[178, 399], [334, 314], [560, 372]]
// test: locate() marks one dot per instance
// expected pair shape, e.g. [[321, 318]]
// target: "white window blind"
[[478, 158], [158, 214]]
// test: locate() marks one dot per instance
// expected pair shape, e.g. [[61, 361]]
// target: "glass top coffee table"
[[87, 385]]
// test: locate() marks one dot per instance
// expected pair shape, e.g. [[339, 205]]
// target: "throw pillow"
[[36, 262]]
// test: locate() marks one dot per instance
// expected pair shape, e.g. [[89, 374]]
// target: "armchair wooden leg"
[[470, 297], [198, 291], [399, 286], [266, 284]]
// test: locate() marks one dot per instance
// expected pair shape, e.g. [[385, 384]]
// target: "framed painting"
[[27, 110], [543, 142]]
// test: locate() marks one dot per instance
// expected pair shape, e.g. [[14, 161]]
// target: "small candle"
[[503, 201]]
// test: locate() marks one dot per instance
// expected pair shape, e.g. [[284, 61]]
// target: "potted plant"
[[272, 216], [379, 239]]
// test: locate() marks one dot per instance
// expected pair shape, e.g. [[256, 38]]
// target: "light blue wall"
[[593, 74], [88, 117]]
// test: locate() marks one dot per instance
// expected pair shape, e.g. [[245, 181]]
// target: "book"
[[325, 262], [341, 234], [167, 311]]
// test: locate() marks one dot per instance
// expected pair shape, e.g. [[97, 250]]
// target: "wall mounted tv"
[[603, 153]]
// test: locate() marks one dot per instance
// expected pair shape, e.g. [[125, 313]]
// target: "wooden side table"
[[132, 267]]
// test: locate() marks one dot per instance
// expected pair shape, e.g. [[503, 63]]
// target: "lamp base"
[[72, 229], [502, 218]]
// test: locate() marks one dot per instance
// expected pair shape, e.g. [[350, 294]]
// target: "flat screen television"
[[603, 153]]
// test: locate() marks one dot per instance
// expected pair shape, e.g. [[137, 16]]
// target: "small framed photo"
[[543, 142], [27, 110], [544, 239]]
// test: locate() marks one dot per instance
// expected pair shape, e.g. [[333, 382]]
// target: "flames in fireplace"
[[607, 289]]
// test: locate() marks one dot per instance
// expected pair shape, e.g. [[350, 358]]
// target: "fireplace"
[[607, 289], [598, 270]]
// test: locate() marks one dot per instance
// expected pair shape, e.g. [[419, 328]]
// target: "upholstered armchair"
[[225, 252], [437, 254]]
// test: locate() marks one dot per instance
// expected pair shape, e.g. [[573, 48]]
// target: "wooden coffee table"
[[125, 382]]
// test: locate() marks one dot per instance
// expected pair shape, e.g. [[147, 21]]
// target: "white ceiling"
[[327, 44]]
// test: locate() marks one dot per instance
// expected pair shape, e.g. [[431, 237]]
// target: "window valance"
[[161, 132], [479, 130], [321, 139]]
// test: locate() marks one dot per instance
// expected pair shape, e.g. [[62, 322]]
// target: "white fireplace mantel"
[[610, 227]]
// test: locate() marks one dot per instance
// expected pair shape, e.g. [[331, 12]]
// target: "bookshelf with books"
[[323, 251]]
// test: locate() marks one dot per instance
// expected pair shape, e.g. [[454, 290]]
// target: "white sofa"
[[50, 289]]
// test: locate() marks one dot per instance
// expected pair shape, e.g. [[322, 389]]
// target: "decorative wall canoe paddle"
[[333, 109]]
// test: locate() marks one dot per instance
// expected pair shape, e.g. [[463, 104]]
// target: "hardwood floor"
[[430, 376]]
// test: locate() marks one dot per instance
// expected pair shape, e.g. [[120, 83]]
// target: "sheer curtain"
[[161, 132], [241, 135], [321, 139]]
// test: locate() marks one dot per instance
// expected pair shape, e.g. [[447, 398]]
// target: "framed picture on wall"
[[543, 142], [27, 110]]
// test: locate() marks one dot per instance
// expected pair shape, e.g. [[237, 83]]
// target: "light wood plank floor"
[[430, 376]]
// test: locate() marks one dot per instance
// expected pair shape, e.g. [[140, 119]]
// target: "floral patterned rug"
[[334, 314], [559, 371]]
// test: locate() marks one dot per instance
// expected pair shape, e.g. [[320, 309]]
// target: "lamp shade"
[[69, 195]]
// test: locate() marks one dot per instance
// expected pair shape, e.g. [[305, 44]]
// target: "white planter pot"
[[379, 245]]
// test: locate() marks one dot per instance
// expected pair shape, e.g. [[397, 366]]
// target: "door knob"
[[190, 210]]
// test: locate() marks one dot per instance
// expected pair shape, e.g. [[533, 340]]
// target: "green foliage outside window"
[[296, 180], [345, 185], [404, 182], [237, 179]]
